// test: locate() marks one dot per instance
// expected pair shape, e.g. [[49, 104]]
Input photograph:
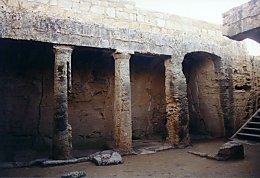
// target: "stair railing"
[[245, 123]]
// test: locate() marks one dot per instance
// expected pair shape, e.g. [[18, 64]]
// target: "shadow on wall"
[[148, 97], [203, 91], [92, 97], [26, 92]]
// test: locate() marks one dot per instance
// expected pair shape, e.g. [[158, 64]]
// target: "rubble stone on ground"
[[105, 158]]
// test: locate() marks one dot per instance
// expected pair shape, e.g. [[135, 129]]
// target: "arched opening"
[[201, 70]]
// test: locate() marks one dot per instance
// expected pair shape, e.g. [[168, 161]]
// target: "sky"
[[207, 10]]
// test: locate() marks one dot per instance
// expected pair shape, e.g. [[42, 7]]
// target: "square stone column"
[[176, 102], [62, 138], [172, 110], [122, 103]]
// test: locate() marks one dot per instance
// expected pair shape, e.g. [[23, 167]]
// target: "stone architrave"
[[122, 103], [172, 109], [62, 138]]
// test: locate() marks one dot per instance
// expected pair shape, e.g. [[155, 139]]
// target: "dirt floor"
[[169, 163]]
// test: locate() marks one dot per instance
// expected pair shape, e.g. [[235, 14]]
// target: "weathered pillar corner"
[[62, 131], [176, 111], [122, 103]]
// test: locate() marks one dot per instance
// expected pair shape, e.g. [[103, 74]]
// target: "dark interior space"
[[148, 97], [205, 112], [26, 91], [91, 100]]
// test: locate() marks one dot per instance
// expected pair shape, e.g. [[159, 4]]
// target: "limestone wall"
[[115, 13], [243, 21], [107, 26], [148, 97]]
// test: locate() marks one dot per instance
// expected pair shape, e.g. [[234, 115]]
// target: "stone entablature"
[[243, 21], [115, 13]]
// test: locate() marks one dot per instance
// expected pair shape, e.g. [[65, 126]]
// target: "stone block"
[[76, 6], [14, 3], [65, 4], [97, 10], [84, 6], [105, 158], [53, 2], [231, 150], [43, 1], [75, 174], [160, 22], [110, 12], [122, 15]]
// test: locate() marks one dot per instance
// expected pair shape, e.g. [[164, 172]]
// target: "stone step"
[[251, 128], [251, 135], [256, 123], [256, 117]]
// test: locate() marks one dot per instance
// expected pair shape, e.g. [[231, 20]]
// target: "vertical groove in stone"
[[122, 103], [62, 138], [69, 76]]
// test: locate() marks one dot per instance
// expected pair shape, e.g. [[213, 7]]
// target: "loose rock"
[[76, 174], [231, 150], [105, 158]]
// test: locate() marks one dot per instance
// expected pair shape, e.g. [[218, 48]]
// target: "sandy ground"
[[170, 163]]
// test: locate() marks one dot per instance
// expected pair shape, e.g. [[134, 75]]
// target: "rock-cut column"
[[122, 103], [62, 138], [176, 102], [172, 110]]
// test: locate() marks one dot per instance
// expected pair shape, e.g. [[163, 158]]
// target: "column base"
[[62, 144]]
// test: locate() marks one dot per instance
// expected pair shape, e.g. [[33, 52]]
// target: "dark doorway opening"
[[26, 105], [91, 101], [203, 91], [148, 99]]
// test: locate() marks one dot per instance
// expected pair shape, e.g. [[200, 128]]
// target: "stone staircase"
[[250, 131]]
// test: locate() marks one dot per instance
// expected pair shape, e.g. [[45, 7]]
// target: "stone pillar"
[[176, 102], [62, 138], [122, 103], [172, 110]]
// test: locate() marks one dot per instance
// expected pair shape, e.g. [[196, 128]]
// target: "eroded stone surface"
[[243, 21], [122, 103], [75, 174], [106, 158], [231, 150], [203, 88], [62, 136], [27, 113]]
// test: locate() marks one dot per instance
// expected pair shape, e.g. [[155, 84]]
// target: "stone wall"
[[91, 100], [116, 13], [148, 97], [108, 26], [243, 21], [26, 89], [203, 92]]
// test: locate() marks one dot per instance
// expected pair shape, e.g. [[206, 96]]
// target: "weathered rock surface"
[[26, 82], [75, 174], [63, 162], [105, 158], [229, 151], [243, 21]]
